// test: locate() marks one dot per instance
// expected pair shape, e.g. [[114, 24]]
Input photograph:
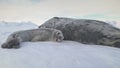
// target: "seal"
[[85, 31], [33, 35]]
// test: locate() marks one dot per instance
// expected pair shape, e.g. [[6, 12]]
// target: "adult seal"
[[85, 31]]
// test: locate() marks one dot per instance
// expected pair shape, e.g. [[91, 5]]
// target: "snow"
[[67, 54], [7, 28], [114, 23]]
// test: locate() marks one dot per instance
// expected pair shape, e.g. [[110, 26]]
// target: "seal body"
[[43, 34], [85, 31]]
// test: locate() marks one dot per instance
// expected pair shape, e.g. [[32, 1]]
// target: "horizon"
[[39, 11]]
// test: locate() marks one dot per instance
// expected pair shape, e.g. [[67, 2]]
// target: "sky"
[[39, 11]]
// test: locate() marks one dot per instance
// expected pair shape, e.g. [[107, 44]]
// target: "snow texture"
[[67, 54], [114, 23]]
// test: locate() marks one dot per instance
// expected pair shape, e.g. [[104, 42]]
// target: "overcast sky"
[[39, 11]]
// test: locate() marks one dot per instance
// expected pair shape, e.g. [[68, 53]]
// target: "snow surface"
[[67, 54], [114, 23]]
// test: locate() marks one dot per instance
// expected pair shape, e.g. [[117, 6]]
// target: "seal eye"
[[58, 33]]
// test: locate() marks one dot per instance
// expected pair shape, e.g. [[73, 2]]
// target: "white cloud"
[[40, 10]]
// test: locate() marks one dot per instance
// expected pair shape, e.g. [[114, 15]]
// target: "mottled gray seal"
[[85, 31], [33, 35]]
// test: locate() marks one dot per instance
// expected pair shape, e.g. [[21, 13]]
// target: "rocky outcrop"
[[85, 31]]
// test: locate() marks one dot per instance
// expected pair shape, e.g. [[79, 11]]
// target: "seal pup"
[[33, 35]]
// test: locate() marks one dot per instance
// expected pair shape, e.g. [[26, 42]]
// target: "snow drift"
[[67, 54]]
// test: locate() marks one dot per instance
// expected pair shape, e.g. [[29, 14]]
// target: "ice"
[[67, 54]]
